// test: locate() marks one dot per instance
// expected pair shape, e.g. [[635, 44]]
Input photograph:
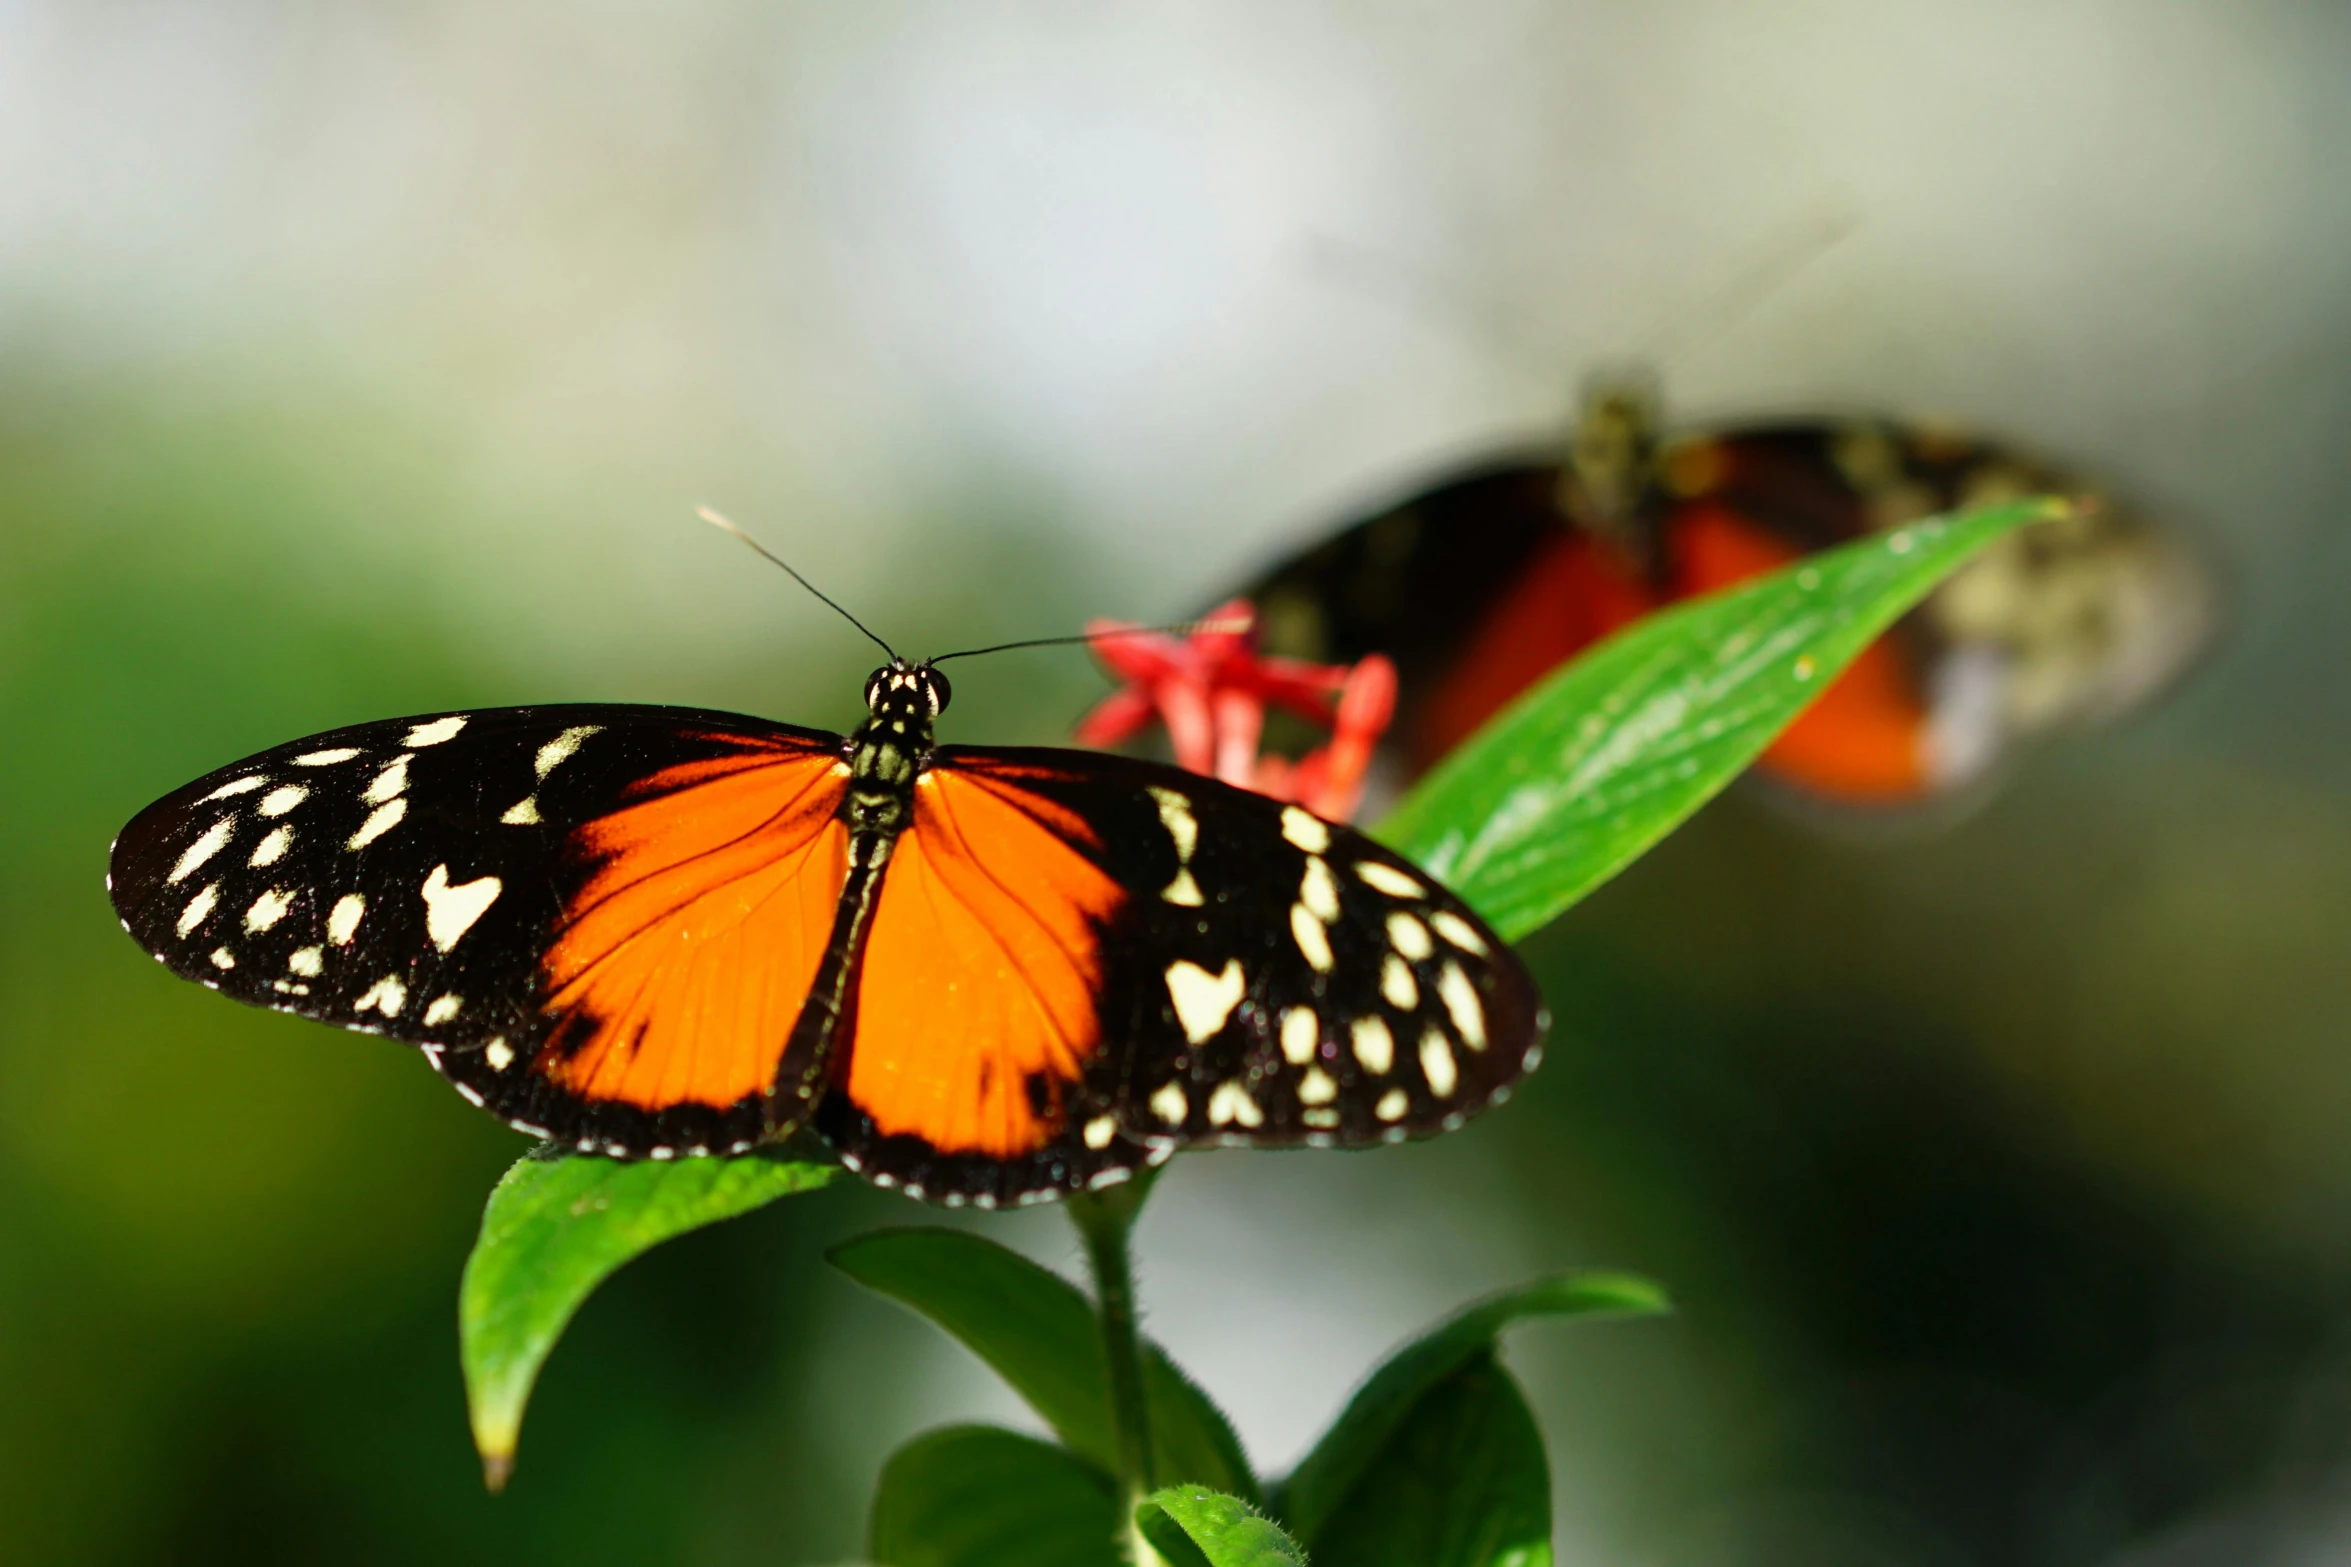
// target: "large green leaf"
[[976, 1496], [1192, 1526], [1366, 1427], [1039, 1333], [1588, 769], [1462, 1482], [554, 1229]]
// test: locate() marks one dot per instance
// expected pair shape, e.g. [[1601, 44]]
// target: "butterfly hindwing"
[[487, 885], [1081, 963]]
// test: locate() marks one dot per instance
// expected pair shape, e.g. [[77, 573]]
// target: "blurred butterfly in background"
[[985, 976], [1481, 584]]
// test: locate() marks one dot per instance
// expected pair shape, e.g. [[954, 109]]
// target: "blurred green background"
[[370, 359]]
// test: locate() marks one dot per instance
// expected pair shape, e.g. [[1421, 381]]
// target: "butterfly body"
[[984, 975], [1480, 585]]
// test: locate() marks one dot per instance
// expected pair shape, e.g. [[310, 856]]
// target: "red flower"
[[1211, 688]]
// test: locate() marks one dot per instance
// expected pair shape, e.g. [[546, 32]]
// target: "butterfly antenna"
[[1434, 299], [724, 526], [1181, 629], [1731, 301]]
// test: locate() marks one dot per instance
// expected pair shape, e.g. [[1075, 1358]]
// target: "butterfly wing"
[[2075, 619], [598, 921], [1082, 962], [1482, 584]]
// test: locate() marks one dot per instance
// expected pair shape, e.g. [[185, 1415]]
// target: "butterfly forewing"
[[423, 878], [1257, 976]]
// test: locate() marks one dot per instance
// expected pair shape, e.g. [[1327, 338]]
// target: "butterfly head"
[[909, 693], [1612, 465]]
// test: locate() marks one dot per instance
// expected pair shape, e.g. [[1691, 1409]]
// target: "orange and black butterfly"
[[1480, 585], [985, 976]]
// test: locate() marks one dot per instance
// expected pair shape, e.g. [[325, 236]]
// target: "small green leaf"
[[1364, 1429], [1192, 1526], [1038, 1332], [1610, 753], [554, 1229], [976, 1496], [1462, 1482]]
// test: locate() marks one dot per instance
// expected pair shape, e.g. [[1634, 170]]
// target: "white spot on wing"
[[1388, 879], [1375, 1047], [1458, 931], [273, 848], [341, 753], [198, 907], [379, 822], [1100, 1130], [1305, 829], [1392, 1105], [244, 785], [343, 922], [442, 1009], [1316, 1087], [449, 912], [222, 958], [1318, 889], [1436, 1064], [283, 799], [269, 908], [1461, 1001], [202, 849], [1203, 1000], [1169, 1103], [1231, 1104], [386, 995], [1409, 936], [1301, 1032], [307, 961], [1175, 814], [1324, 1118], [438, 730], [1183, 890], [389, 784], [1312, 939], [523, 813], [500, 1055], [558, 750], [1397, 984]]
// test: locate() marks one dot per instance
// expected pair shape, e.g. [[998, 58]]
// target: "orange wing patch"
[[1573, 593], [1865, 737], [688, 954], [976, 1008]]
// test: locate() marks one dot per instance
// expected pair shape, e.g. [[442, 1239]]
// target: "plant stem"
[[1105, 1220]]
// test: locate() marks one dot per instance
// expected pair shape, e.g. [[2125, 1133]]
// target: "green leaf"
[[1192, 1526], [1038, 1332], [1320, 1484], [1610, 753], [976, 1496], [554, 1229], [1461, 1482]]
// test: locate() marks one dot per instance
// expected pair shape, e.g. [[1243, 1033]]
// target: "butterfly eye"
[[873, 686], [935, 686]]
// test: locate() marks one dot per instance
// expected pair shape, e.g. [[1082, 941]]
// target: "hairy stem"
[[1105, 1220]]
